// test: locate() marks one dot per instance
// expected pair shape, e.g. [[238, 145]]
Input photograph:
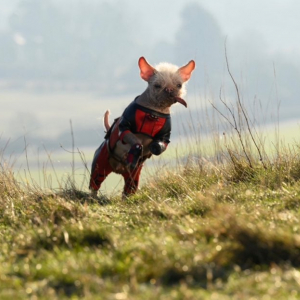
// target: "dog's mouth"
[[170, 93], [180, 100]]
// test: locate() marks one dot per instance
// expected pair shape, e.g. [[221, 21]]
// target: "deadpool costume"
[[138, 120]]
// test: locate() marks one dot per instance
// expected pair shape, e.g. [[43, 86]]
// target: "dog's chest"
[[148, 123]]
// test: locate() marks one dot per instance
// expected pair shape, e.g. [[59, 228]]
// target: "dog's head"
[[166, 82]]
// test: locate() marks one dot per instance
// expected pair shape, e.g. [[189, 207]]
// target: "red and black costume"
[[138, 120]]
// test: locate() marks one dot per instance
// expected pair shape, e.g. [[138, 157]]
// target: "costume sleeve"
[[164, 134]]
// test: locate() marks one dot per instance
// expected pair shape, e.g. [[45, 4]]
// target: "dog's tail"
[[106, 120]]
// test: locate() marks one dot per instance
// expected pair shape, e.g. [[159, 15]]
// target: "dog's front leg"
[[131, 139], [131, 179], [136, 149]]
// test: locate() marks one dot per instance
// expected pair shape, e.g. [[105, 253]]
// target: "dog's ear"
[[146, 69], [186, 71]]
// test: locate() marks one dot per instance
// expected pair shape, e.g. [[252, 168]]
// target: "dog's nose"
[[169, 90]]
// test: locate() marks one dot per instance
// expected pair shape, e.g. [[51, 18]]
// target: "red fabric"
[[147, 123], [114, 136], [101, 167]]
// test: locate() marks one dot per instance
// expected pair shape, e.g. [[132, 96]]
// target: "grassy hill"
[[203, 231]]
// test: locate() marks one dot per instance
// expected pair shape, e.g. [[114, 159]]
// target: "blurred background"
[[70, 60]]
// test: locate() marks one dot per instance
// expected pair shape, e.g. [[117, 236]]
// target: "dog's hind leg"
[[100, 168]]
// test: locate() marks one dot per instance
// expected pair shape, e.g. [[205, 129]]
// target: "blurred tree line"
[[96, 45]]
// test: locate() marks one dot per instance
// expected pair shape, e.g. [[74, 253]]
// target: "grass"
[[198, 233]]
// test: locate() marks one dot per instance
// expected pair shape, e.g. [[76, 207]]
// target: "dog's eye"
[[157, 86], [179, 85]]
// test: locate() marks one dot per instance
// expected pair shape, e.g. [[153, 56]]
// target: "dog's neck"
[[145, 100]]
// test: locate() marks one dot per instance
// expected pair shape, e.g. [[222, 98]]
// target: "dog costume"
[[138, 120]]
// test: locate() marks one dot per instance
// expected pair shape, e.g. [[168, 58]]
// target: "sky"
[[276, 21], [262, 38]]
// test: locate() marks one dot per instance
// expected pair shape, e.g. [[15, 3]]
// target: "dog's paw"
[[93, 194], [101, 199]]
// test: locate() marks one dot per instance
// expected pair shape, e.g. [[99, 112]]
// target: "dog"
[[143, 129]]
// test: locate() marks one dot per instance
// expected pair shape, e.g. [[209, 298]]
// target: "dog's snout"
[[169, 90]]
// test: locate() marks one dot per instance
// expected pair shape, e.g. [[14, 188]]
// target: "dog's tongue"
[[180, 100]]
